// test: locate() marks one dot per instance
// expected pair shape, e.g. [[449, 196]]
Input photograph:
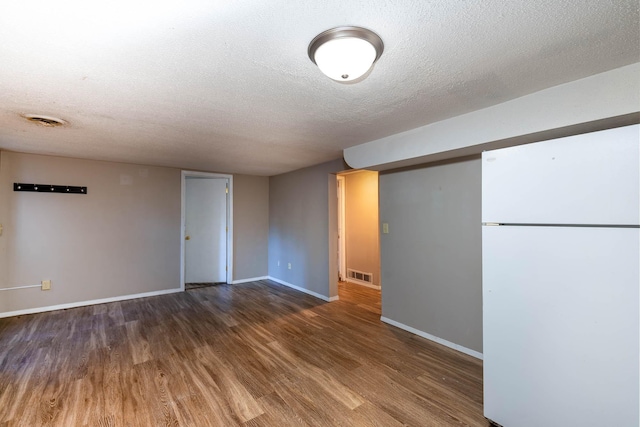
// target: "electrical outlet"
[[46, 285], [289, 265], [385, 228], [278, 263]]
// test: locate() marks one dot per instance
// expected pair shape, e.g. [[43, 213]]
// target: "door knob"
[[187, 238]]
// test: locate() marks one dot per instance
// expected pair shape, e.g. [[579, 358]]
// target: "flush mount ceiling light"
[[345, 53]]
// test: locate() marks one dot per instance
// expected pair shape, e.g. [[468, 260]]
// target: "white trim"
[[351, 171], [306, 291], [230, 234], [184, 174], [86, 303], [20, 287], [358, 282], [253, 279], [433, 338]]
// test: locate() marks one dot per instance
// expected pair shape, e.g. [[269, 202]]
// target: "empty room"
[[417, 213]]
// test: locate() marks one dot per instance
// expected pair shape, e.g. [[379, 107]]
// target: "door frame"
[[183, 180], [342, 256]]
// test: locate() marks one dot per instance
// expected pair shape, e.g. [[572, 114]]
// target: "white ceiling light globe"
[[345, 53], [345, 59]]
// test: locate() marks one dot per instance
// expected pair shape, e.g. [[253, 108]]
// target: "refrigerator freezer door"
[[561, 334], [592, 178]]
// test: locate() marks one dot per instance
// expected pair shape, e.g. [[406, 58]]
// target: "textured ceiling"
[[227, 85]]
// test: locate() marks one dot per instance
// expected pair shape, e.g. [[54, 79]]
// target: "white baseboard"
[[433, 338], [306, 291], [358, 282], [90, 302], [253, 279]]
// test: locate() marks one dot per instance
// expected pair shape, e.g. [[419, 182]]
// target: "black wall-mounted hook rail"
[[47, 188]]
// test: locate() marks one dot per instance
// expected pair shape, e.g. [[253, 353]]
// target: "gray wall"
[[362, 240], [121, 238], [250, 226], [299, 227], [431, 258]]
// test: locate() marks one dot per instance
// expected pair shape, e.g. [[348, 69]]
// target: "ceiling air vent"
[[47, 121]]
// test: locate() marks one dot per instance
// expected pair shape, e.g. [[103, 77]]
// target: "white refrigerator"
[[561, 273]]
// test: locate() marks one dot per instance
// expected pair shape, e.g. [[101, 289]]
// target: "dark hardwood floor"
[[191, 286], [254, 354]]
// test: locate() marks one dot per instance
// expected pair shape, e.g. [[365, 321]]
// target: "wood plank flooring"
[[191, 286], [253, 354]]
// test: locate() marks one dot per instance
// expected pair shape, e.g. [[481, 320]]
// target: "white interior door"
[[205, 230]]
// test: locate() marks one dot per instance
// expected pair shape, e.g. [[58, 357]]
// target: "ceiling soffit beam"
[[601, 101]]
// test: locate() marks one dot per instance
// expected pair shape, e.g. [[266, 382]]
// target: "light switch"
[[385, 228], [46, 285]]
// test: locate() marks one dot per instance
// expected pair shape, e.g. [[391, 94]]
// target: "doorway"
[[358, 228], [206, 229], [342, 255]]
